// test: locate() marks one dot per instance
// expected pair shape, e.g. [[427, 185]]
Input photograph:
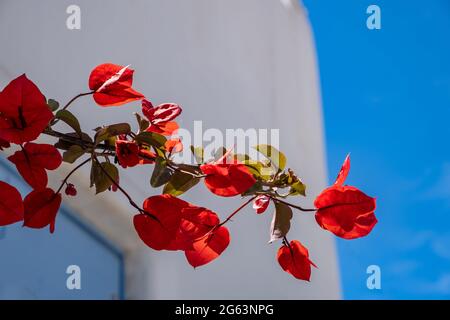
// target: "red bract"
[[11, 205], [4, 144], [227, 180], [195, 223], [112, 85], [41, 208], [130, 154], [32, 161], [343, 173], [160, 117], [127, 153], [294, 259], [71, 190], [24, 113], [345, 211], [261, 203], [174, 145], [209, 247], [160, 232]]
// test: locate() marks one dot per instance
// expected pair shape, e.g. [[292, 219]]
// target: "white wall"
[[230, 63]]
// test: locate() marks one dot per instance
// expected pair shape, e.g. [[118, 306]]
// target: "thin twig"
[[130, 200], [72, 172], [292, 205], [236, 211]]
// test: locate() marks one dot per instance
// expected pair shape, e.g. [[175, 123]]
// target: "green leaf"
[[105, 133], [257, 187], [74, 152], [151, 138], [102, 181], [161, 173], [142, 123], [53, 105], [281, 222], [277, 158], [298, 188], [180, 183], [198, 153], [67, 117], [259, 170], [65, 145]]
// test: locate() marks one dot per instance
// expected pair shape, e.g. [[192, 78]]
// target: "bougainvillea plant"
[[163, 222]]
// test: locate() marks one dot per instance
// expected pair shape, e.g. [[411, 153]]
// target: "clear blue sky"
[[386, 97]]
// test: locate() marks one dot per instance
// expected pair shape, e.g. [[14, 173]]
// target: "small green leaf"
[[67, 117], [65, 145], [298, 188], [74, 152], [161, 173], [102, 180], [53, 105], [142, 123], [198, 153], [281, 222], [151, 138], [105, 133], [257, 187], [259, 170], [277, 158], [180, 183]]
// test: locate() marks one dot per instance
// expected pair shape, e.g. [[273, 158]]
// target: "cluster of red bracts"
[[343, 210], [180, 225], [130, 153], [24, 115], [165, 222]]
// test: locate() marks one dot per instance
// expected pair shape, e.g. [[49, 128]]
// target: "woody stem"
[[114, 182], [236, 211], [70, 102], [75, 98], [292, 205], [72, 172]]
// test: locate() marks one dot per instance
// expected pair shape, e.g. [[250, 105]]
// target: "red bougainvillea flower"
[[127, 153], [174, 145], [294, 259], [343, 173], [4, 144], [195, 223], [178, 224], [227, 180], [160, 232], [209, 247], [160, 117], [112, 85], [261, 203], [130, 154], [32, 161], [11, 205], [71, 190], [345, 211], [41, 208], [24, 113]]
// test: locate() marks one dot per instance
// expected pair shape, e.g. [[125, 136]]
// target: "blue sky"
[[386, 98]]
